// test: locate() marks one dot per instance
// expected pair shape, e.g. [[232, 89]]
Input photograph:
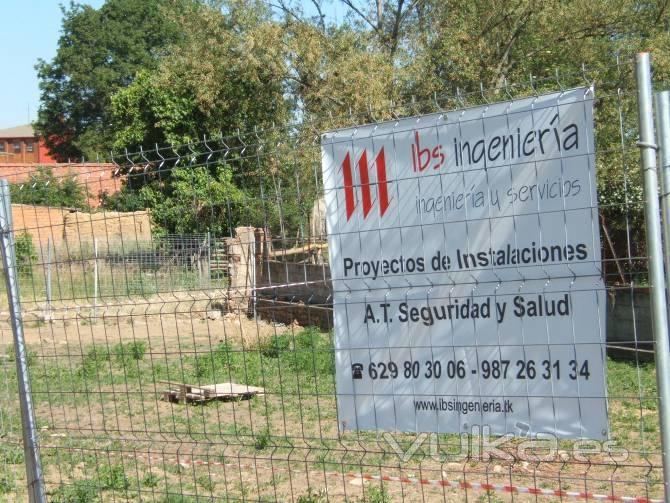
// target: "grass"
[[296, 419]]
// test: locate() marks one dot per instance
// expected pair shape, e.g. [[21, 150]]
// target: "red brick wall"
[[97, 178], [41, 222]]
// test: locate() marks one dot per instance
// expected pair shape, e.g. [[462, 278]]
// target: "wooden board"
[[187, 393]]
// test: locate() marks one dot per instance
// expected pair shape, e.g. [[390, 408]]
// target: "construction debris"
[[189, 393]]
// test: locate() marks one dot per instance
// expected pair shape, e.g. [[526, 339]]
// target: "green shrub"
[[262, 439], [80, 491], [114, 478], [274, 347], [130, 352], [46, 189], [94, 361], [26, 254]]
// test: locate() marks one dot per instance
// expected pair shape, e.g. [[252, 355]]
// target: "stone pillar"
[[241, 269]]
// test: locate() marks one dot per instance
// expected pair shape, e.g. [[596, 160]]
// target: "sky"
[[29, 30]]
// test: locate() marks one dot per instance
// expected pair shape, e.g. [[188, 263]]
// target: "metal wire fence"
[[189, 353]]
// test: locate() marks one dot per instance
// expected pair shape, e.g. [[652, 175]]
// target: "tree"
[[227, 73], [99, 52]]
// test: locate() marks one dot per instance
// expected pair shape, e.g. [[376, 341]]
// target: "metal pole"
[[95, 278], [47, 316], [655, 254], [35, 478], [209, 260], [663, 136]]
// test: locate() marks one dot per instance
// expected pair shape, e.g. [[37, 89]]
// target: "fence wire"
[[132, 317]]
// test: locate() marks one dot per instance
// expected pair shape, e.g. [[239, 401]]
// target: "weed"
[[375, 494], [26, 254], [206, 482], [150, 480], [313, 496], [11, 454], [94, 361], [7, 484], [130, 352], [114, 478], [262, 440], [275, 346], [80, 491], [178, 498]]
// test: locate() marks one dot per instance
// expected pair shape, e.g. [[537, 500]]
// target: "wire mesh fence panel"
[[188, 352]]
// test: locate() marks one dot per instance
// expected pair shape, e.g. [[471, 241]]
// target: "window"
[[30, 146], [17, 147], [2, 145]]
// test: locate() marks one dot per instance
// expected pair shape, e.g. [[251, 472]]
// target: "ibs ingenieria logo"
[[422, 159], [364, 177]]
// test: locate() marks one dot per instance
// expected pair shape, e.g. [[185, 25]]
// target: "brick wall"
[[277, 311], [71, 232], [41, 222], [289, 281], [96, 178]]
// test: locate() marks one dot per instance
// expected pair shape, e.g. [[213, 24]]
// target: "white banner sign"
[[465, 259]]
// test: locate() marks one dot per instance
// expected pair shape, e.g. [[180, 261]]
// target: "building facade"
[[20, 144]]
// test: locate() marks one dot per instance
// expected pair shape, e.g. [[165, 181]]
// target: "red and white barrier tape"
[[455, 484], [484, 486]]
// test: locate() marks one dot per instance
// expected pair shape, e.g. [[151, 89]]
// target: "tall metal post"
[[655, 254], [663, 140], [34, 474], [209, 259], [95, 278], [47, 314]]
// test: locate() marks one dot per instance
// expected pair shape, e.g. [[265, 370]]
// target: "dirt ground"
[[174, 319], [276, 447]]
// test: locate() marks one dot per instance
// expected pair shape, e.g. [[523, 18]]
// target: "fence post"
[[663, 136], [34, 476], [95, 278], [655, 254], [47, 314], [209, 259]]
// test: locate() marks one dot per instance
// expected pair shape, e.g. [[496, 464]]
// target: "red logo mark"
[[422, 157], [382, 185]]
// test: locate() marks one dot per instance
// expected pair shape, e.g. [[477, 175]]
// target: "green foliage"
[[11, 454], [171, 198], [150, 480], [375, 494], [226, 72], [99, 52], [312, 354], [114, 478], [313, 496], [262, 439], [307, 355], [80, 491], [128, 355], [275, 346], [7, 483], [95, 361], [26, 254], [177, 70], [130, 352], [123, 200], [45, 189]]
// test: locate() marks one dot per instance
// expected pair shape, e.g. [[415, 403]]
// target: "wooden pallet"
[[188, 393]]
